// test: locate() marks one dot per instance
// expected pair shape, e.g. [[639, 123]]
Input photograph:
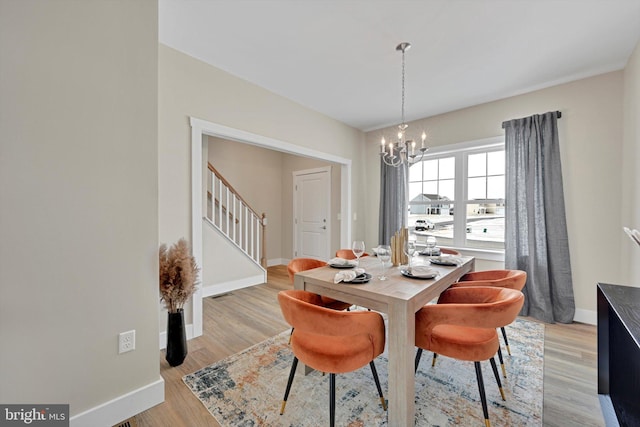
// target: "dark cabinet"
[[619, 354]]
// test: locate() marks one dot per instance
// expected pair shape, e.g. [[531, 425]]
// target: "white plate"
[[423, 276], [342, 265]]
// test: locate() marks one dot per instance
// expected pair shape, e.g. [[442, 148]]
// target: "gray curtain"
[[393, 201], [536, 238]]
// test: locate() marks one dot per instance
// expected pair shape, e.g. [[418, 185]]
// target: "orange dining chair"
[[462, 325], [348, 254], [512, 279], [302, 264], [449, 252], [331, 341]]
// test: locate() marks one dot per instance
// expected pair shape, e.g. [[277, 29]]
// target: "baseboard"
[[218, 289], [122, 407], [277, 261], [223, 288], [589, 317]]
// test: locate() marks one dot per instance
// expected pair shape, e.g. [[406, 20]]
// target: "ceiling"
[[338, 57]]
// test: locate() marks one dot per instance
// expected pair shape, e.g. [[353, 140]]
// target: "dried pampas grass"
[[178, 275]]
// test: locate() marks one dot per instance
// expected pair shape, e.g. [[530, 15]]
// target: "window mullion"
[[460, 212]]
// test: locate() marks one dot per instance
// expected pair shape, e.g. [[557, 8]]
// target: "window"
[[456, 194]]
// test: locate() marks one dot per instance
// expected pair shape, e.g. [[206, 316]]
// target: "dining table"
[[399, 297]]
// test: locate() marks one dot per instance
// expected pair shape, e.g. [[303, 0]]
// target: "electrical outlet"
[[126, 341]]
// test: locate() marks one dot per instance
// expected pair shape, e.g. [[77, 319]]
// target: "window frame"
[[461, 152]]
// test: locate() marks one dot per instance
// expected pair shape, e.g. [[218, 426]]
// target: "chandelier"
[[404, 150]]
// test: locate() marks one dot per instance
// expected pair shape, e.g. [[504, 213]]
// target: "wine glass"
[[358, 250], [384, 254], [431, 244], [409, 250]]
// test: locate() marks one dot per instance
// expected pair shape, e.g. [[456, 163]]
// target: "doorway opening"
[[201, 128]]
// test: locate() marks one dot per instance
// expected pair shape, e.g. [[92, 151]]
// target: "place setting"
[[357, 275], [353, 277], [422, 272]]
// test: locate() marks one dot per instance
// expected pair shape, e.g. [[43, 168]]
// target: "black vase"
[[176, 338]]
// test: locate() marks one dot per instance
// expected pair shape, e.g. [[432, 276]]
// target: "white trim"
[[482, 254], [198, 210], [123, 407], [345, 206], [223, 288], [478, 143], [277, 261], [226, 132], [589, 317], [201, 127]]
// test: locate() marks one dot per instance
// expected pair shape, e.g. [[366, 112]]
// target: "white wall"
[[630, 167], [78, 206], [591, 148]]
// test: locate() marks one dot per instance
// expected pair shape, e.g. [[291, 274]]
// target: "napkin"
[[422, 271], [347, 275], [342, 261], [448, 259]]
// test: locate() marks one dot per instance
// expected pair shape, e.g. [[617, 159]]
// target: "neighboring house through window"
[[459, 192]]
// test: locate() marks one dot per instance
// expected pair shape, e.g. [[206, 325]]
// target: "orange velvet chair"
[[462, 325], [302, 264], [512, 279], [331, 341], [449, 252], [348, 254]]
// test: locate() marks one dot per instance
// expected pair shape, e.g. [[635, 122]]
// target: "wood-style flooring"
[[235, 321]]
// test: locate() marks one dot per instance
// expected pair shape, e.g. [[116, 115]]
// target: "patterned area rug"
[[246, 389]]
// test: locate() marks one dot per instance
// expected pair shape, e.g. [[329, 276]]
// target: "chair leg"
[[418, 356], [294, 365], [377, 380], [504, 370], [506, 341], [290, 335], [332, 399], [483, 397], [495, 374], [433, 362]]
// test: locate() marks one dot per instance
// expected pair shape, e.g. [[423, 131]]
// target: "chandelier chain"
[[402, 86]]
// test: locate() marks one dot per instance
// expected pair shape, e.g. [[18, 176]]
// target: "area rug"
[[246, 389]]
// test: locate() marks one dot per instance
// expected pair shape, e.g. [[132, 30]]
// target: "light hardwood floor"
[[245, 317]]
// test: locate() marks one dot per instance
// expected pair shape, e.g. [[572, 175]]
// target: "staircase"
[[234, 218]]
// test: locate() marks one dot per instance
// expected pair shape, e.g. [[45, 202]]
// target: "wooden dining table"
[[400, 298]]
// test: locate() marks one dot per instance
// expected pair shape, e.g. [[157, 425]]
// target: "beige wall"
[[268, 187], [188, 87], [78, 208], [260, 184], [630, 167], [591, 150]]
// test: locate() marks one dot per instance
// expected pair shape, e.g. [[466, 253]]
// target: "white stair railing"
[[229, 213]]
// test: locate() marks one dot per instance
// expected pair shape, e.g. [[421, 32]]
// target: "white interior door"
[[312, 207]]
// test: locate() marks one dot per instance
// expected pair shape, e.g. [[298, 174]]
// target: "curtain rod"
[[558, 115]]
